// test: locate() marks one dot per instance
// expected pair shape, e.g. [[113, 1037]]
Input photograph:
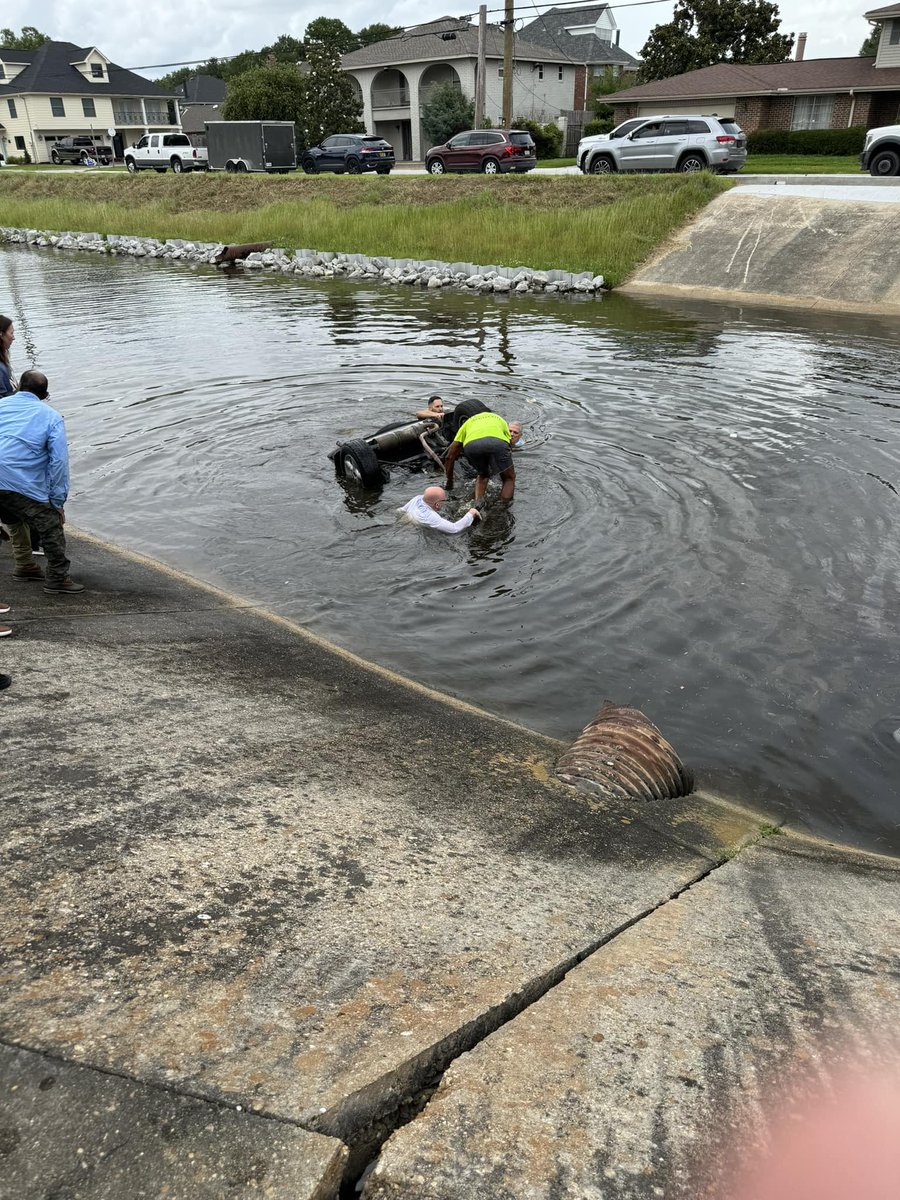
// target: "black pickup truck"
[[80, 149]]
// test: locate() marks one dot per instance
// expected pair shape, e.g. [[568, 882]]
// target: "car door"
[[462, 154], [332, 153], [142, 151], [670, 145], [636, 151], [154, 150]]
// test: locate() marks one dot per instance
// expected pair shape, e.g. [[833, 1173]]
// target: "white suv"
[[670, 143]]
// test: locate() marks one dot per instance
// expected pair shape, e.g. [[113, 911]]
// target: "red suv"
[[492, 151]]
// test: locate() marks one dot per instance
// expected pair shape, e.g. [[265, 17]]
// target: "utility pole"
[[508, 34], [480, 80]]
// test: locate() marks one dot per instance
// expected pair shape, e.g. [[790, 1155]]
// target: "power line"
[[464, 20]]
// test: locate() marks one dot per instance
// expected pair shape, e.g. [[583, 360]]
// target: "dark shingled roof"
[[424, 43], [767, 79], [50, 72], [549, 30], [195, 116], [890, 10], [202, 89]]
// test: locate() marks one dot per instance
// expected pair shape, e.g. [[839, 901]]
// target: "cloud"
[[177, 31]]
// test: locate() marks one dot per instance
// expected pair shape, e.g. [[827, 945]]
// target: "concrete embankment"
[[246, 876], [810, 247]]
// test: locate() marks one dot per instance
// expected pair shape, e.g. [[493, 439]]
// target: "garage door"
[[712, 107]]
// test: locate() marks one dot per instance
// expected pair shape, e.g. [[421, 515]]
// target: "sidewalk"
[[244, 868]]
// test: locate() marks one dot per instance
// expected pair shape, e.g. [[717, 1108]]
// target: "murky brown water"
[[706, 523]]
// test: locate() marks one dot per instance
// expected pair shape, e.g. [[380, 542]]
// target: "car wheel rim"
[[351, 470], [490, 169], [691, 165]]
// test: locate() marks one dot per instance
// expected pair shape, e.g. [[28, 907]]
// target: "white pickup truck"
[[159, 151]]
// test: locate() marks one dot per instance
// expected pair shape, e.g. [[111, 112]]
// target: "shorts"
[[489, 455]]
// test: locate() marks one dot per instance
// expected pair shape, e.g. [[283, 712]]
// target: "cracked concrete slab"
[[71, 1133], [243, 865], [792, 249], [661, 1064]]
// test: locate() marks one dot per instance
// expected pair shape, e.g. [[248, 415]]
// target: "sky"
[[206, 27]]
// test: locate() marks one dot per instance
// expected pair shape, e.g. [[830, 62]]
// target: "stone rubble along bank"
[[312, 264]]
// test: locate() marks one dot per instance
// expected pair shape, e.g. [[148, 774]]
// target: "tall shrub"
[[807, 141], [446, 113], [548, 139]]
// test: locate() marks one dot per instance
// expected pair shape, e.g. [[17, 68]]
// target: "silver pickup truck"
[[160, 151]]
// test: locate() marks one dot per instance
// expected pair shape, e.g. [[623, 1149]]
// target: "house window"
[[540, 68], [57, 107], [88, 107], [499, 72], [560, 72], [812, 112], [96, 70], [2, 71], [12, 108], [20, 143]]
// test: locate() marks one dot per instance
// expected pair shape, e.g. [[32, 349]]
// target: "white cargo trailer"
[[240, 146]]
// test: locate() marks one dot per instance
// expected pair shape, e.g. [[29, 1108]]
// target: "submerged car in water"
[[367, 461]]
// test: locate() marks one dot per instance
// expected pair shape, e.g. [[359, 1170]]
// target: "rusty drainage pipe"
[[622, 755]]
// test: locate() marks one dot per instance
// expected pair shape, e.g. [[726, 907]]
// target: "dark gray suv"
[[350, 152]]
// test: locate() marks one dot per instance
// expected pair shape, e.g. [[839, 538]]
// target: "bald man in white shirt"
[[425, 510]]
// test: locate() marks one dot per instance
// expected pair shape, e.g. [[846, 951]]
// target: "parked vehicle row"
[[682, 142], [353, 153]]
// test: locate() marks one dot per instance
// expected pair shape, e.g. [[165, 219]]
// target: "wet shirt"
[[419, 512], [482, 425], [34, 459]]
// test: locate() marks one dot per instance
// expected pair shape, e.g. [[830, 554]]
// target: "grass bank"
[[801, 164], [604, 225]]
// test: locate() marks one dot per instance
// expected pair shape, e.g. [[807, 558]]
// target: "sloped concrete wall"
[[797, 250]]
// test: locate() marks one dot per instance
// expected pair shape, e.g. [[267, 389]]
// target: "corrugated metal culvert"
[[623, 756]]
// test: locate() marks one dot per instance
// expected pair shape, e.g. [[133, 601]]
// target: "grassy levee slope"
[[604, 225]]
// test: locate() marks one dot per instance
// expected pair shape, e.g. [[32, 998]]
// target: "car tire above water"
[[358, 463]]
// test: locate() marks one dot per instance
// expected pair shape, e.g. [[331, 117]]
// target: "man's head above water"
[[434, 497]]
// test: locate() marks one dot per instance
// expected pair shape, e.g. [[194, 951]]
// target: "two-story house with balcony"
[[803, 93], [62, 89], [395, 77]]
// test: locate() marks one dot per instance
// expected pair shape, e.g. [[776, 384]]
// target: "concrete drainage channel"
[[322, 264], [621, 756]]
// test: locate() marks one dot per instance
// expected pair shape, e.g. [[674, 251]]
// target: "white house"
[[62, 89], [395, 76]]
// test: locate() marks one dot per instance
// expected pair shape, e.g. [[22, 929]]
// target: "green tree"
[[331, 103], [606, 84], [29, 39], [378, 32], [446, 112], [272, 93], [331, 33], [869, 48], [703, 32]]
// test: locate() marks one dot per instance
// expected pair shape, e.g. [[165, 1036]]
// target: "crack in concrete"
[[364, 1140]]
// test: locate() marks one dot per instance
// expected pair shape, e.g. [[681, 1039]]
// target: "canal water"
[[707, 520]]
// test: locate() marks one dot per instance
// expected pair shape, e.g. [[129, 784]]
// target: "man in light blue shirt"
[[34, 477]]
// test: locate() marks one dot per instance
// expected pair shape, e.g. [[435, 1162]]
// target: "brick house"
[[813, 93], [61, 89]]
